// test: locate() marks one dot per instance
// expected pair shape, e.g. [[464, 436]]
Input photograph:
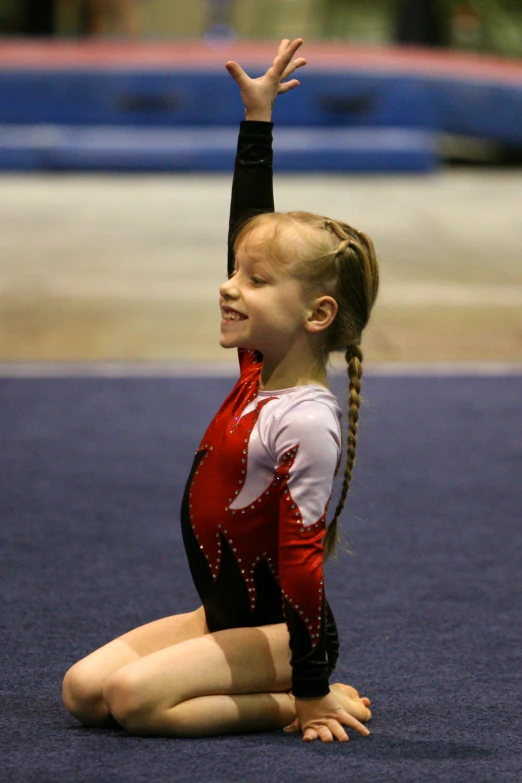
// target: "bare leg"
[[231, 681], [213, 715], [84, 682]]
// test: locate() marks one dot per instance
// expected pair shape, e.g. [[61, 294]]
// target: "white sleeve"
[[314, 429]]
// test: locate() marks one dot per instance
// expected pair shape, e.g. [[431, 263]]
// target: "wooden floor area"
[[126, 268]]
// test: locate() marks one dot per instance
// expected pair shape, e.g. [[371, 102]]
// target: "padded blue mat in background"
[[410, 109]]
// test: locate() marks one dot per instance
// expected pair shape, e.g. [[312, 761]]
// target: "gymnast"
[[258, 654]]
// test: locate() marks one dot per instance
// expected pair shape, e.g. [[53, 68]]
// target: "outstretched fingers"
[[287, 48], [278, 72], [332, 728], [283, 45], [326, 733], [258, 94], [237, 73], [285, 86], [284, 64], [349, 720], [290, 68], [293, 66]]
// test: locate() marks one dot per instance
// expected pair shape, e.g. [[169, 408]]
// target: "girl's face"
[[262, 306]]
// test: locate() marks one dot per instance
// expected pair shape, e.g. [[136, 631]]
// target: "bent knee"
[[82, 695], [128, 702], [140, 710]]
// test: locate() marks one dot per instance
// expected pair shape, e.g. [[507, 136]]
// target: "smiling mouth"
[[232, 315]]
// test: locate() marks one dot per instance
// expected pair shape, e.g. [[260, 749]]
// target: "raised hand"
[[259, 94], [324, 719]]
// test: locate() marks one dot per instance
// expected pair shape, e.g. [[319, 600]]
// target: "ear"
[[321, 314]]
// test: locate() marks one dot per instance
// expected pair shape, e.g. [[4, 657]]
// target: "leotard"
[[254, 509]]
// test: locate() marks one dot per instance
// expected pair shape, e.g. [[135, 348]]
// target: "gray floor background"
[[126, 268]]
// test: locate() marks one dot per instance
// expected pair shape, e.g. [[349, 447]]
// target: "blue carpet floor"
[[428, 605]]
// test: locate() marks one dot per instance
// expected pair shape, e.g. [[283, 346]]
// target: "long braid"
[[350, 242], [354, 359]]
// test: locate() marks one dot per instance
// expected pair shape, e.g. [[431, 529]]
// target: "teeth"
[[231, 316]]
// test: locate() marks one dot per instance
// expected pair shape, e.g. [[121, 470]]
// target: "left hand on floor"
[[324, 718]]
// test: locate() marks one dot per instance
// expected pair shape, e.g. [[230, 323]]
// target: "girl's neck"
[[286, 373]]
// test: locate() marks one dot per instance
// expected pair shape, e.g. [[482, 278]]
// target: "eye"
[[257, 280]]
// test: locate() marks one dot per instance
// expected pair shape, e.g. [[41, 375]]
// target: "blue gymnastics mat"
[[428, 606]]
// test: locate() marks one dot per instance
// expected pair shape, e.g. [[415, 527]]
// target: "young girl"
[[259, 653]]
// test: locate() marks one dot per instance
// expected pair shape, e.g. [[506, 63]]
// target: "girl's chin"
[[227, 341]]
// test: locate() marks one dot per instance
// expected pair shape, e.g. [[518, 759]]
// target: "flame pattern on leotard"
[[268, 528]]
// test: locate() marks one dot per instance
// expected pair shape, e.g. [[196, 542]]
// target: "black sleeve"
[[312, 666], [332, 639], [252, 187]]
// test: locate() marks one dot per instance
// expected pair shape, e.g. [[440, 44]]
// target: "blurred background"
[[117, 135], [478, 25]]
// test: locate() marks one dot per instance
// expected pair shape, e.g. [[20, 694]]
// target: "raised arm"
[[252, 191]]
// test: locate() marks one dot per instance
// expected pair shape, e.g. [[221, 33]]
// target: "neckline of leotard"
[[277, 392]]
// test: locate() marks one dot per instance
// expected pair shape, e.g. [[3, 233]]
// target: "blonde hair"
[[331, 258]]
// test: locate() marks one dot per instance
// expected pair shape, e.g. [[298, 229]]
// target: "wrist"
[[258, 116]]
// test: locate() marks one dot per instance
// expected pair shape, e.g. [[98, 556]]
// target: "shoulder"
[[308, 414], [311, 406]]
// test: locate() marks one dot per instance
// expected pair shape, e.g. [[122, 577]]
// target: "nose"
[[228, 289]]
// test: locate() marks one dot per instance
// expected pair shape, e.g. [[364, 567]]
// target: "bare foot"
[[352, 702]]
